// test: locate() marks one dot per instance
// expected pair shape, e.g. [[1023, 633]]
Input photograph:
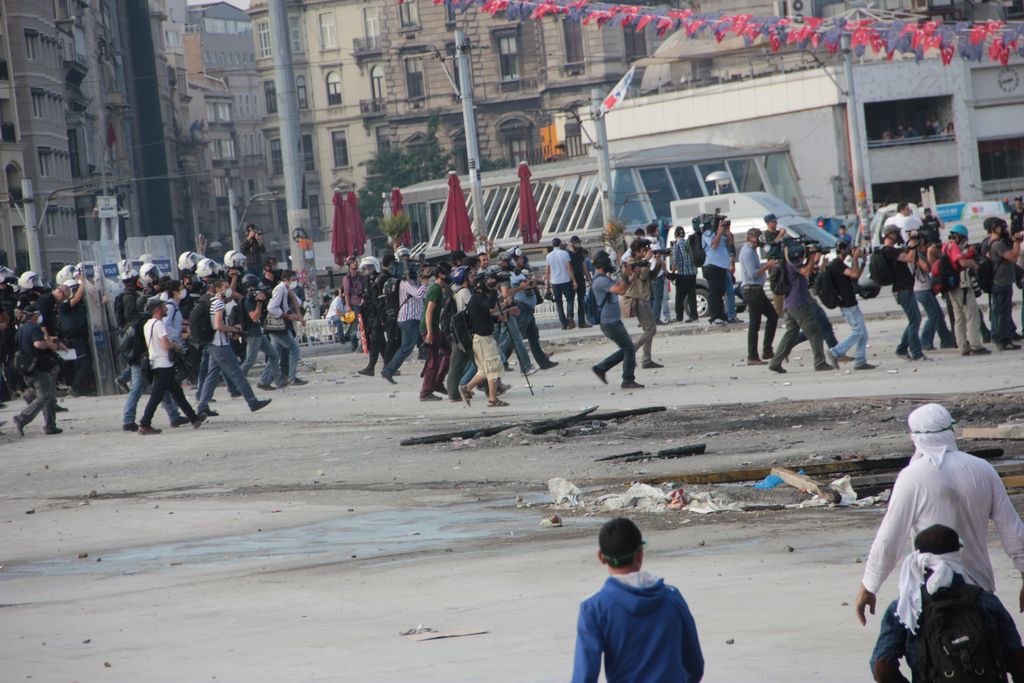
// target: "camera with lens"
[[707, 222]]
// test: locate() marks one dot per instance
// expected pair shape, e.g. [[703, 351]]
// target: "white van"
[[745, 210]]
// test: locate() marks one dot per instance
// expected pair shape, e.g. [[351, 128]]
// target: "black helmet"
[[250, 281]]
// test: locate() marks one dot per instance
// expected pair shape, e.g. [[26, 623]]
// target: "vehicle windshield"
[[811, 232]]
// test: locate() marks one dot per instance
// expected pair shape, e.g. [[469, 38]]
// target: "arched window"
[[377, 83], [300, 90], [333, 88]]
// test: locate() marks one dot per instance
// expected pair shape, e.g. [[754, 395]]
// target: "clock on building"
[[1008, 80]]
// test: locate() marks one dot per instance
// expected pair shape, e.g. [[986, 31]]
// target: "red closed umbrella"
[[356, 233], [457, 233], [340, 246], [397, 207], [529, 224]]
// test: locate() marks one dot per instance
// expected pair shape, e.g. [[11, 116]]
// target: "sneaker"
[[388, 376], [1009, 347], [864, 366], [60, 409], [651, 365], [430, 397], [466, 393], [690, 320], [396, 373], [130, 427], [922, 357], [266, 387], [208, 413], [735, 320], [904, 355], [631, 384], [198, 422], [768, 354], [584, 326], [259, 405], [718, 322], [52, 430], [980, 351], [179, 421], [550, 364], [826, 368], [777, 368], [531, 371], [755, 361], [570, 325], [145, 431], [301, 382], [843, 358], [600, 374], [366, 372], [19, 425], [502, 388]]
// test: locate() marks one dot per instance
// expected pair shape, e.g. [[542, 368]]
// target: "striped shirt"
[[682, 258], [410, 301], [219, 338]]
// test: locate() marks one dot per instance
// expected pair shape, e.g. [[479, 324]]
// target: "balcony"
[[931, 157], [528, 85], [371, 46], [373, 108], [8, 133], [76, 66]]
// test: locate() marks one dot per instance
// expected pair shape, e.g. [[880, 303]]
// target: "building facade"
[[13, 237]]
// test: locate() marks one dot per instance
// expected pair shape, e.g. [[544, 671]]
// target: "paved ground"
[[295, 544]]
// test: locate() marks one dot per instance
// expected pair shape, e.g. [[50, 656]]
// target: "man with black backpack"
[[36, 360], [758, 306], [945, 627], [792, 274], [841, 278], [960, 260]]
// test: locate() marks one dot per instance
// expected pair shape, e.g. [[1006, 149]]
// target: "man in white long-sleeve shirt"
[[943, 485]]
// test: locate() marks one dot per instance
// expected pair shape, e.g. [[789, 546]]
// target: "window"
[[414, 76], [572, 31], [45, 162], [408, 14], [31, 46], [270, 94], [73, 153], [51, 223], [371, 22], [315, 220], [38, 106], [383, 139], [508, 56], [377, 83], [218, 112], [307, 153], [636, 44], [300, 90], [295, 33], [1001, 159], [223, 149], [276, 161], [263, 32], [220, 186], [327, 37], [339, 145], [333, 88]]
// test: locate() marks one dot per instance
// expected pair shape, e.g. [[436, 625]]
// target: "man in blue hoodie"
[[641, 625]]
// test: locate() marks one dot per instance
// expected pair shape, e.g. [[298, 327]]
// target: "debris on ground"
[[563, 491], [639, 496], [422, 632], [551, 521]]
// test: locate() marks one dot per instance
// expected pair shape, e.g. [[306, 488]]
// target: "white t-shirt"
[[906, 224], [336, 308], [559, 263], [154, 330]]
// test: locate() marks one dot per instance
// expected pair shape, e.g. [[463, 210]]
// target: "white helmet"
[[403, 251], [29, 280], [370, 261], [7, 275], [149, 273], [234, 259], [67, 273], [70, 284], [126, 271], [206, 268], [188, 260], [146, 258]]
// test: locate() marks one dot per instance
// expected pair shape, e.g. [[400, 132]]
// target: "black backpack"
[[953, 644], [879, 269], [778, 280], [460, 334], [389, 298], [985, 274], [826, 290], [200, 327], [130, 343], [696, 246], [448, 311]]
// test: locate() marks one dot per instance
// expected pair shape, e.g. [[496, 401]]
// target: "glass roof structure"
[[568, 196]]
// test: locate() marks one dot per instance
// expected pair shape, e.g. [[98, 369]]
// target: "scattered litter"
[[894, 372], [639, 496], [788, 548], [769, 482], [82, 556], [276, 510], [30, 512], [730, 641], [422, 632], [705, 503], [552, 521], [563, 491]]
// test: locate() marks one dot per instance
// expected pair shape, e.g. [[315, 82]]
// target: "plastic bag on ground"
[[639, 496], [563, 491], [705, 503]]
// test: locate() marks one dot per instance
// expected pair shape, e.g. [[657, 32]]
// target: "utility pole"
[[233, 215], [35, 256], [462, 48], [604, 164], [853, 129], [291, 149]]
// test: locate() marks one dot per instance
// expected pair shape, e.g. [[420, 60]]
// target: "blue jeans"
[[286, 343], [561, 291], [910, 342], [616, 332], [271, 371], [658, 297], [527, 324], [1002, 313], [934, 322], [135, 389], [730, 297], [223, 361], [410, 330], [858, 336], [204, 370], [512, 337]]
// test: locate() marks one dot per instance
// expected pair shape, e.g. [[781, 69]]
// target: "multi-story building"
[[13, 238], [373, 74], [227, 104]]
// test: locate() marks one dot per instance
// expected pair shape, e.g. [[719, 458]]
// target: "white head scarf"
[[931, 430], [943, 568]]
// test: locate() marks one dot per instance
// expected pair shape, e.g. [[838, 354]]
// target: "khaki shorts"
[[486, 356]]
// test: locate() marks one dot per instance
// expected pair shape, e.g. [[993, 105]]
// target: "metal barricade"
[[316, 332]]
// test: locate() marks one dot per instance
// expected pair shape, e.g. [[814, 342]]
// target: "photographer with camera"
[[253, 249], [966, 316], [483, 311], [716, 268], [684, 277], [605, 291], [842, 277], [797, 265], [1004, 251], [899, 261], [526, 296], [254, 312], [758, 306], [640, 274]]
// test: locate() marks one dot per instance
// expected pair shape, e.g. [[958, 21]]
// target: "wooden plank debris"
[[1012, 432], [664, 454]]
